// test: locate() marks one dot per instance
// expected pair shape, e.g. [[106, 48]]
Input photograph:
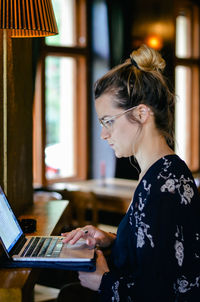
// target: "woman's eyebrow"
[[105, 117]]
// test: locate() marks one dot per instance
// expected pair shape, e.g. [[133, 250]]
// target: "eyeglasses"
[[108, 122]]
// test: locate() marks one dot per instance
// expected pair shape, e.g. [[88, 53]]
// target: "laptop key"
[[38, 247], [28, 245], [57, 249], [32, 247], [45, 247], [51, 248]]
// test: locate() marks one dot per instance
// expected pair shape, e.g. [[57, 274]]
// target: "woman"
[[155, 254]]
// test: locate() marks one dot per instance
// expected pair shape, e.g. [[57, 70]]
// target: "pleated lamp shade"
[[28, 18]]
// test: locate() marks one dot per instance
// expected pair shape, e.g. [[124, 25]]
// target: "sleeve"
[[167, 268], [116, 287]]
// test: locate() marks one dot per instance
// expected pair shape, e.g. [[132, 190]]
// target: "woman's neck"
[[147, 156]]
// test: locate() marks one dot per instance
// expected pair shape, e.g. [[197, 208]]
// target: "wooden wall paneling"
[[20, 98]]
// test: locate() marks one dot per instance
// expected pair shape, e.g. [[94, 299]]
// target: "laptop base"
[[71, 266]]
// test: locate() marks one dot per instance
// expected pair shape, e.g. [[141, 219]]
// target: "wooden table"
[[114, 194], [16, 285]]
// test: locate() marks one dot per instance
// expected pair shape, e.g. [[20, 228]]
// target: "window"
[[187, 85], [60, 108]]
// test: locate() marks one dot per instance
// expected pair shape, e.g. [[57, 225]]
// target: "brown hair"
[[139, 80]]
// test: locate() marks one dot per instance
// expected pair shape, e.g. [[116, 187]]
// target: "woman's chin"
[[119, 155]]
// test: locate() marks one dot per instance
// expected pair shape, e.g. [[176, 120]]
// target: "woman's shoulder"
[[168, 167], [171, 176]]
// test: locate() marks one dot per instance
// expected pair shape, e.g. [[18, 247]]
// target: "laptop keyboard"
[[43, 247]]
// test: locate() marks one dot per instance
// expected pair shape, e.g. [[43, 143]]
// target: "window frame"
[[193, 99], [81, 54]]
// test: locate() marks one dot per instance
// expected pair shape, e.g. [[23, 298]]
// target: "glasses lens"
[[101, 123]]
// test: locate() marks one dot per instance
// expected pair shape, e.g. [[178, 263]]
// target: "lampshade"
[[28, 18]]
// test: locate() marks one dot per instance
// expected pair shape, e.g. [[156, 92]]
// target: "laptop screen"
[[10, 230]]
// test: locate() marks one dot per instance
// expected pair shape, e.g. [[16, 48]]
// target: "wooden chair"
[[84, 208], [84, 211]]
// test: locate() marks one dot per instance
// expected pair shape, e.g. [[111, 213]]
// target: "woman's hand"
[[91, 234], [93, 280]]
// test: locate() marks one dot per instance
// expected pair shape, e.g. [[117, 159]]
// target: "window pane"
[[60, 92], [65, 17], [182, 80], [183, 37]]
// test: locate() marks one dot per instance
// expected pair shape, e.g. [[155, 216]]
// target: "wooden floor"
[[44, 293]]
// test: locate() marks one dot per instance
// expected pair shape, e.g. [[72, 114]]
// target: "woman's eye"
[[109, 123]]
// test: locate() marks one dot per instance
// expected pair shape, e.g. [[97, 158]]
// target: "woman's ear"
[[143, 113]]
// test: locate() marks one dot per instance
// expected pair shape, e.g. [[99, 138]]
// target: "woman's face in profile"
[[118, 131]]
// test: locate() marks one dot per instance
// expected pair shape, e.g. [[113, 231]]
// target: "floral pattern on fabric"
[[172, 184], [179, 248], [183, 285], [115, 292], [142, 228]]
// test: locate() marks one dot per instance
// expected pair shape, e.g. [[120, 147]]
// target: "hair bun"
[[148, 59]]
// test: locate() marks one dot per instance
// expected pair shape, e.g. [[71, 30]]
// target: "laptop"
[[39, 251]]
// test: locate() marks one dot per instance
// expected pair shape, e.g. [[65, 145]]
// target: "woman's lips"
[[111, 144]]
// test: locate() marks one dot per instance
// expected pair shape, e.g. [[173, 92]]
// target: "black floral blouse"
[[156, 255]]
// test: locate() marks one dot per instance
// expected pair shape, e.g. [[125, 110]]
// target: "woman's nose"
[[105, 134]]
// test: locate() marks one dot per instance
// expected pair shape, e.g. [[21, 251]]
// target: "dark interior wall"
[[155, 18], [133, 22], [19, 134]]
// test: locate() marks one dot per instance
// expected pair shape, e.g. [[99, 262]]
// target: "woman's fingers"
[[68, 236], [77, 236], [73, 236], [91, 242]]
